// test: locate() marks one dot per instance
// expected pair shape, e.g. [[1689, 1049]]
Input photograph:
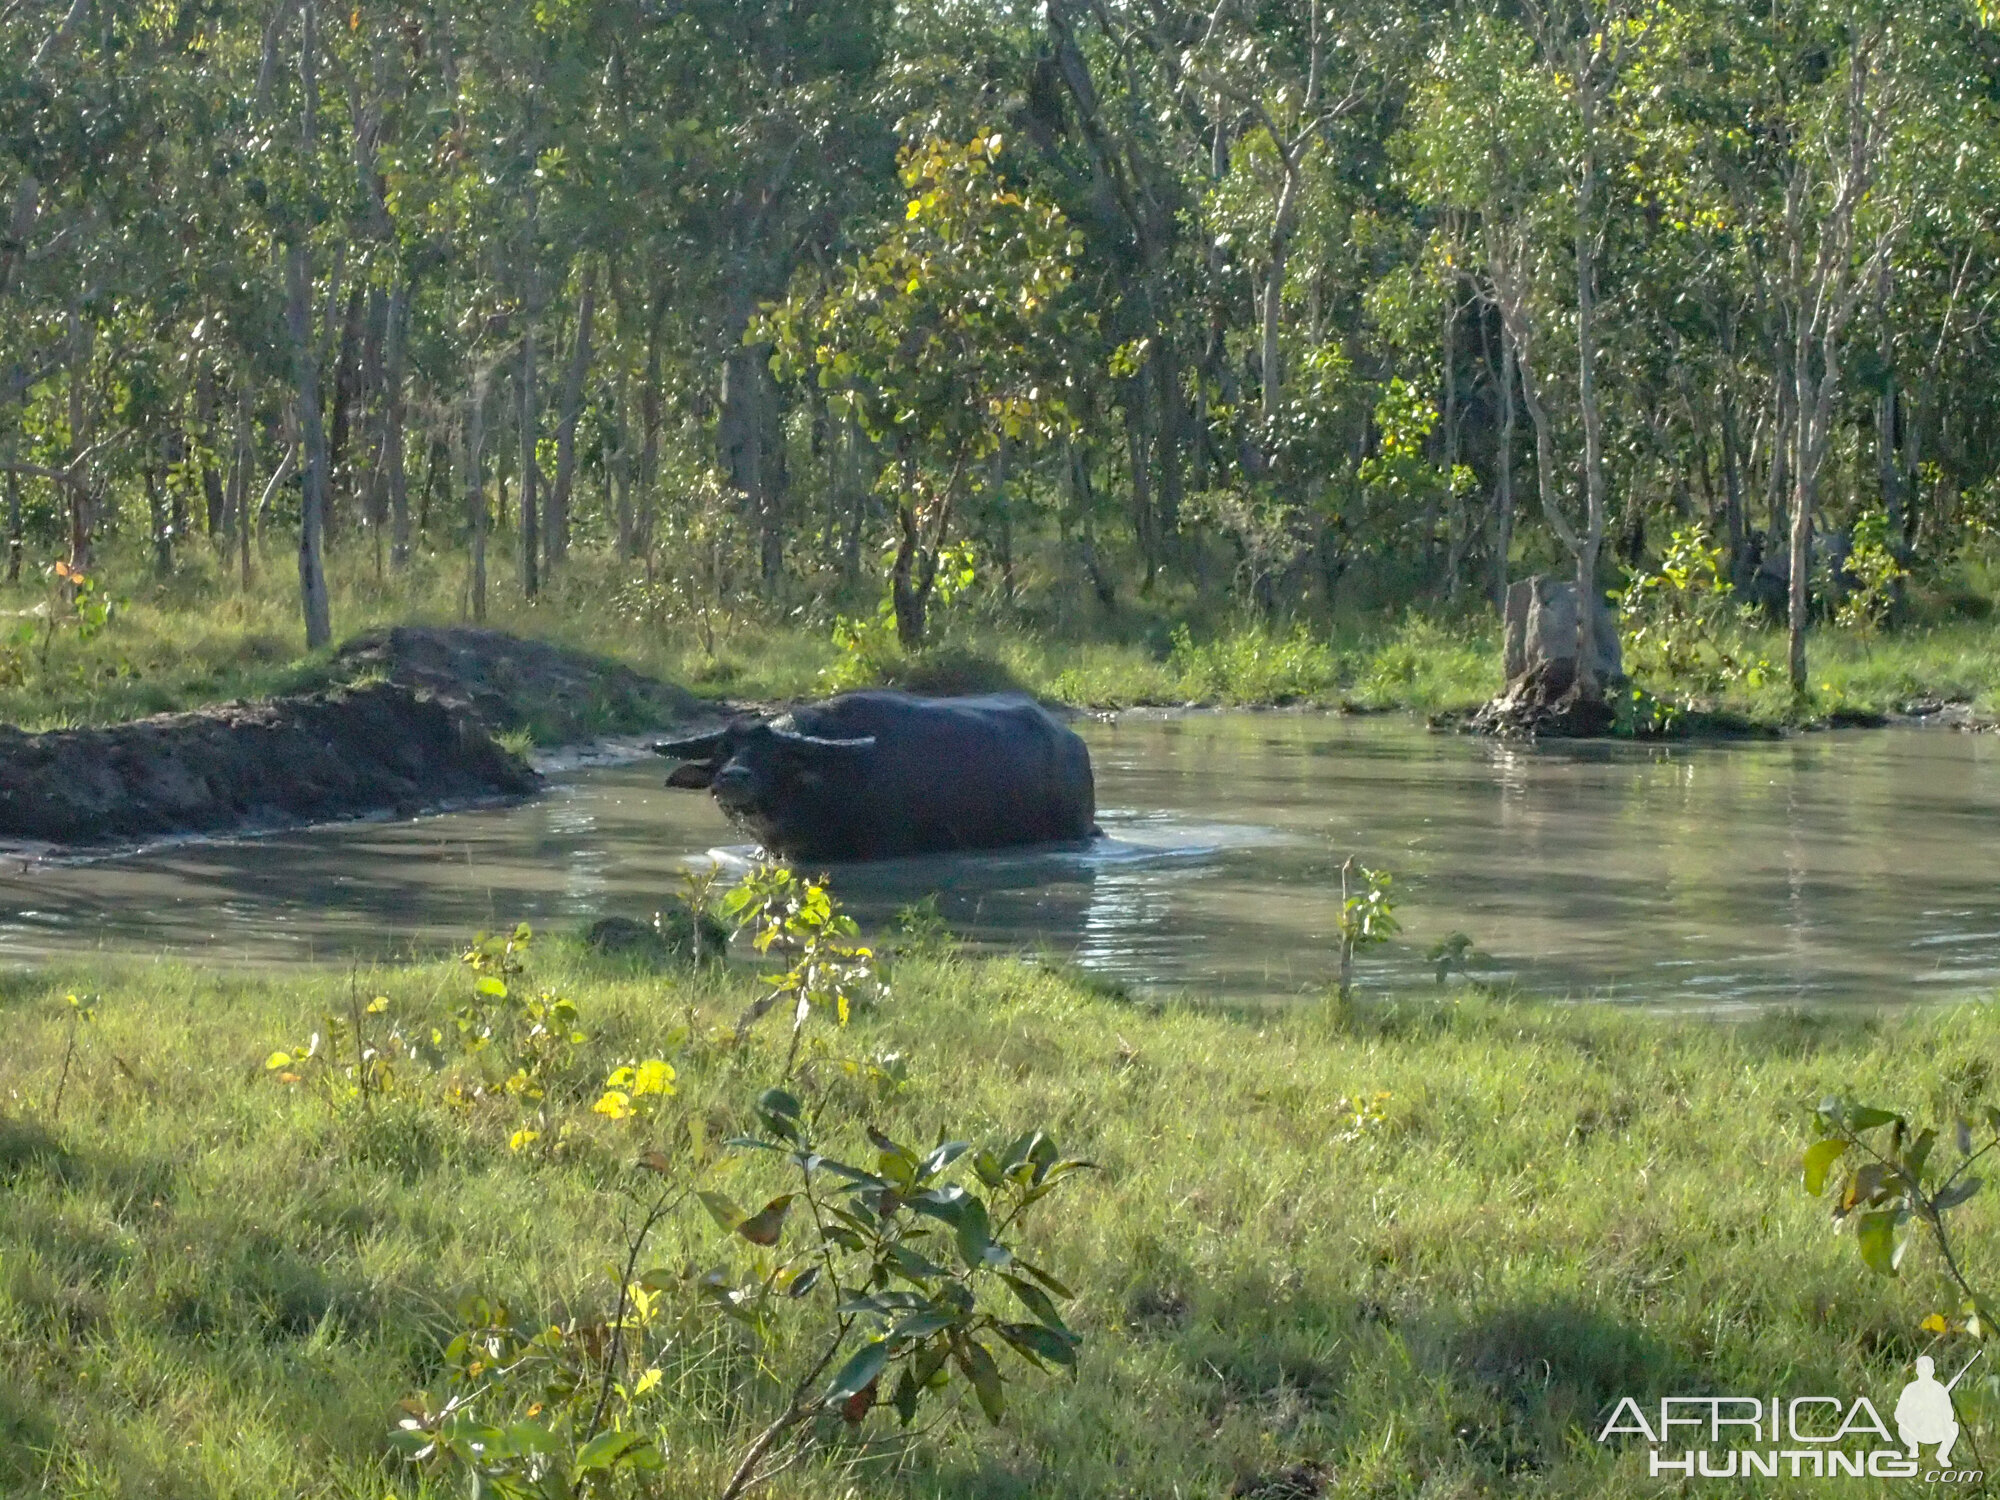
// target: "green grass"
[[197, 637], [212, 1284], [1879, 672]]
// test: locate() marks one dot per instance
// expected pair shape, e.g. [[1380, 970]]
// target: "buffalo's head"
[[766, 776]]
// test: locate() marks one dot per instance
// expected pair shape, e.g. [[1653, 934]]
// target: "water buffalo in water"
[[877, 774]]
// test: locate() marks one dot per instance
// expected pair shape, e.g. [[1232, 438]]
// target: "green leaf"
[[1037, 1302], [1046, 1279], [859, 1372], [1918, 1153], [1956, 1193], [905, 1398], [1038, 1342], [946, 1203], [1875, 1234], [1862, 1117], [977, 1362], [606, 1450], [764, 1226], [974, 1233], [942, 1157], [1820, 1157], [921, 1325], [914, 1266], [491, 986], [780, 1113], [722, 1208]]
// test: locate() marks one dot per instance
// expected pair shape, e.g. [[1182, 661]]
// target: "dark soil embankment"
[[505, 683], [409, 726], [343, 753]]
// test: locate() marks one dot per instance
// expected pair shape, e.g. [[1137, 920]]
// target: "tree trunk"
[[619, 462], [81, 505], [1139, 457], [572, 410], [14, 537], [157, 522], [914, 574], [1503, 487], [375, 507], [746, 433], [855, 492], [1170, 438], [395, 340], [1460, 540], [312, 513], [204, 416], [531, 577], [1587, 685], [239, 488], [347, 390], [475, 495], [1732, 489], [906, 593], [1268, 344], [650, 404]]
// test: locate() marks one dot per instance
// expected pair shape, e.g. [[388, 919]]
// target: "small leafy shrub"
[[342, 1060], [1873, 573], [797, 920], [906, 1270], [1367, 916], [76, 603], [1679, 620], [82, 1011], [871, 654], [1889, 1182], [507, 1044], [1639, 715], [915, 1271]]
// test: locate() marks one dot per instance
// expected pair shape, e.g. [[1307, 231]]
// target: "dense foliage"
[[1284, 302]]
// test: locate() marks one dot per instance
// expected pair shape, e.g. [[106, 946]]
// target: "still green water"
[[1856, 868]]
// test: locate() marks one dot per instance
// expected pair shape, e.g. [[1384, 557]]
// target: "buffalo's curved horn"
[[820, 742], [695, 747]]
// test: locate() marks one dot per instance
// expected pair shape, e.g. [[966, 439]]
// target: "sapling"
[[81, 1013], [912, 1263], [1887, 1179], [1367, 916]]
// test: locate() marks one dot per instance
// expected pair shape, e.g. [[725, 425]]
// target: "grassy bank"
[[197, 637], [1405, 1252]]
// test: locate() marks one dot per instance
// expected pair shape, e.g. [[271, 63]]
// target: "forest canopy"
[[1293, 304]]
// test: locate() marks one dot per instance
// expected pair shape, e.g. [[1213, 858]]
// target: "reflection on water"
[[1851, 867]]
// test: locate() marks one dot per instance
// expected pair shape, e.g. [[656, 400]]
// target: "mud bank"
[[505, 683], [407, 724], [338, 754]]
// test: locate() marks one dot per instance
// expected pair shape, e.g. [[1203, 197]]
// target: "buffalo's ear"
[[694, 776]]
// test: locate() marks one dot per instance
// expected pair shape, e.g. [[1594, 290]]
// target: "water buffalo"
[[877, 774]]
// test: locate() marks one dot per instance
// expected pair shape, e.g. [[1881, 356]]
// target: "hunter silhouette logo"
[[1799, 1437], [1924, 1413]]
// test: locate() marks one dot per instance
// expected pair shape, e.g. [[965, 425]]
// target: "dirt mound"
[[351, 751], [506, 683]]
